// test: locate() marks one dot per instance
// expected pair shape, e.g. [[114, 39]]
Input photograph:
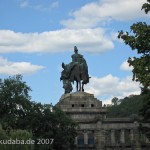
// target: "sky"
[[36, 36]]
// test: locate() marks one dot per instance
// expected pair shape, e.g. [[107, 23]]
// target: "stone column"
[[102, 139], [85, 138], [137, 139], [97, 139], [122, 136], [122, 139], [113, 137], [75, 141], [131, 136], [146, 139]]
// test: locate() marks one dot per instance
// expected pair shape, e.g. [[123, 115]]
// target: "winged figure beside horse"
[[77, 71]]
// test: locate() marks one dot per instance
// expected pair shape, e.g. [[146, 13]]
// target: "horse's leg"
[[82, 86], [77, 86]]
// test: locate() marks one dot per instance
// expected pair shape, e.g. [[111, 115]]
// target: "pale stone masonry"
[[97, 132]]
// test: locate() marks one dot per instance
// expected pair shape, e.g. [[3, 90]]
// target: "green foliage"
[[22, 136], [135, 107], [3, 136], [18, 112], [15, 139], [46, 125], [146, 6], [115, 101], [139, 39], [145, 110], [14, 99], [128, 107]]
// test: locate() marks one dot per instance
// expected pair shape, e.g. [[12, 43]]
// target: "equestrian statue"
[[77, 71]]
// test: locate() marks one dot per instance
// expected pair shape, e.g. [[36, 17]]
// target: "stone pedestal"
[[82, 107], [88, 112]]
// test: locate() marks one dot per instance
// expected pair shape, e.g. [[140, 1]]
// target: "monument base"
[[97, 132], [82, 107]]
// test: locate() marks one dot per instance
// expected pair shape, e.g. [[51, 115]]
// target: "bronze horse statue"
[[78, 74], [74, 72], [77, 71]]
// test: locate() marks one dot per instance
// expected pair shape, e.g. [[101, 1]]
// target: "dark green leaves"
[[18, 112], [139, 39], [146, 6]]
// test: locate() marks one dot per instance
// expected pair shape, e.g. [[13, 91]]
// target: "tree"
[[50, 125], [14, 99], [145, 110], [18, 112], [139, 40], [115, 101], [127, 107], [13, 139], [146, 6]]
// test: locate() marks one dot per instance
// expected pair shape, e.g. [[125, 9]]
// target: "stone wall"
[[98, 132]]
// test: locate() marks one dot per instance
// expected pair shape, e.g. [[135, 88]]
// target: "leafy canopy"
[[139, 39], [18, 112]]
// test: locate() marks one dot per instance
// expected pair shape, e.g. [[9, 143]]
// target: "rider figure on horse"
[[68, 74], [78, 58]]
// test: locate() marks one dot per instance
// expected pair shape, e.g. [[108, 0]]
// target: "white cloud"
[[39, 6], [102, 11], [54, 4], [107, 87], [125, 66], [24, 4], [12, 68], [91, 40]]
